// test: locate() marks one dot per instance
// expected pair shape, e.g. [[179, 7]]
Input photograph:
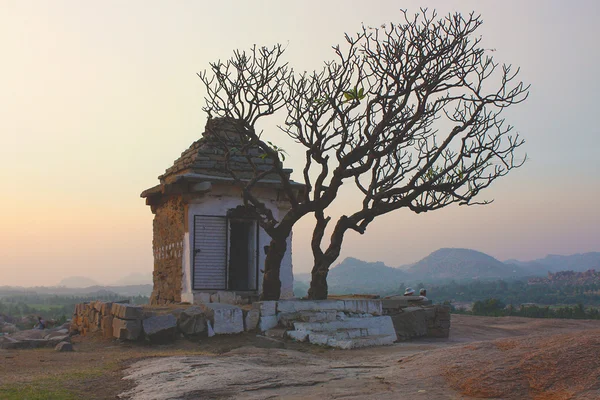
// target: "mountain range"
[[443, 265]]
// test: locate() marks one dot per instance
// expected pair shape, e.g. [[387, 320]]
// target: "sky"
[[98, 98]]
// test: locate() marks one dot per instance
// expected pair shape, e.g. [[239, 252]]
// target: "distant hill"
[[126, 291], [77, 282], [555, 263], [461, 264], [135, 278]]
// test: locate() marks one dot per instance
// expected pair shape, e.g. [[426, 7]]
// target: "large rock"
[[225, 318], [126, 329], [161, 328], [410, 323], [192, 321]]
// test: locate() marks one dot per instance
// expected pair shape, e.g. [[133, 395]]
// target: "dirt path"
[[506, 358]]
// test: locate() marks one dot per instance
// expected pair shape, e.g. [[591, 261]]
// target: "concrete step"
[[374, 325], [365, 341], [342, 339]]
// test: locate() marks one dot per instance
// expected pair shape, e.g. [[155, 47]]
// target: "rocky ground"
[[497, 358]]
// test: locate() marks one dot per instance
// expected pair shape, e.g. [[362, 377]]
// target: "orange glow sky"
[[99, 98]]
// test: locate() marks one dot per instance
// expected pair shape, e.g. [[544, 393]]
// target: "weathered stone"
[[266, 308], [375, 325], [64, 346], [161, 328], [98, 306], [126, 311], [126, 329], [225, 318], [268, 322], [227, 297], [192, 321], [251, 319], [107, 326], [106, 309], [292, 306], [410, 323], [201, 298]]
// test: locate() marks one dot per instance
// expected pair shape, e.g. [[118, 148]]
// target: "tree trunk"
[[271, 288], [323, 260], [318, 283]]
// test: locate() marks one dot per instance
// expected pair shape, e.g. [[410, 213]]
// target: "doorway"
[[243, 255]]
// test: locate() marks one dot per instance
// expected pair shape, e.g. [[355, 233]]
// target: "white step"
[[334, 340], [374, 325]]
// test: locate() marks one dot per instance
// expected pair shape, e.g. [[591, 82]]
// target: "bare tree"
[[410, 113]]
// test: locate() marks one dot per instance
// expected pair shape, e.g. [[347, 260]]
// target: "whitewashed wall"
[[218, 204]]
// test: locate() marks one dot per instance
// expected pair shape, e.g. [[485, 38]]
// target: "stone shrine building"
[[205, 240]]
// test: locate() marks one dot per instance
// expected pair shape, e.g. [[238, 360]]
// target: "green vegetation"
[[55, 307], [517, 292], [64, 386], [496, 308]]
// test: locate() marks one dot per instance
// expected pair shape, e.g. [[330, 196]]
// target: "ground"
[[494, 358]]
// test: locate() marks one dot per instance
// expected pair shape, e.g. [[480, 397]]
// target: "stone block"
[[299, 336], [411, 323], [225, 318], [98, 305], [268, 322], [382, 324], [107, 326], [161, 328], [192, 321], [126, 311], [292, 306], [201, 298], [266, 308], [227, 297], [106, 309], [251, 319], [126, 329]]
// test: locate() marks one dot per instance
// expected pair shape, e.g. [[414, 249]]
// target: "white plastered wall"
[[215, 203]]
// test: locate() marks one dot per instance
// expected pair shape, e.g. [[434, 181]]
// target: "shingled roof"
[[205, 158]]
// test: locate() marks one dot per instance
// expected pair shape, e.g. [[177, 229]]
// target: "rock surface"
[[161, 328]]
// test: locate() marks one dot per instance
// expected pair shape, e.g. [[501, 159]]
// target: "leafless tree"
[[409, 112]]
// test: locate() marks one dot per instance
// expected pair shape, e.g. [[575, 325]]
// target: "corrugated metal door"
[[210, 252]]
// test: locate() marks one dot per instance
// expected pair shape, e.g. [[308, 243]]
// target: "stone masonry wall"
[[169, 230]]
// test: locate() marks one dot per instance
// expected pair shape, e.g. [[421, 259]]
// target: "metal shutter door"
[[210, 252]]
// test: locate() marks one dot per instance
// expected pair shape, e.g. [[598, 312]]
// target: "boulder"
[[192, 321], [161, 328], [225, 318], [410, 323], [64, 346], [126, 329], [126, 311]]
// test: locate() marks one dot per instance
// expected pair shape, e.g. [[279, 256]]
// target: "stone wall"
[[415, 317], [169, 230]]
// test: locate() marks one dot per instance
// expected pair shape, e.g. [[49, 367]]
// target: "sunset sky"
[[98, 98]]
